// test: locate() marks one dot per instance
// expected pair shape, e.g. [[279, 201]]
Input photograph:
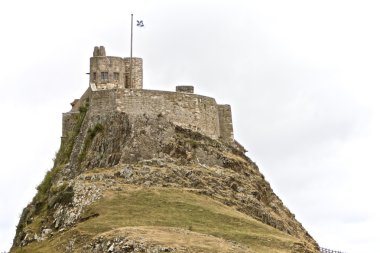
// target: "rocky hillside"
[[142, 184]]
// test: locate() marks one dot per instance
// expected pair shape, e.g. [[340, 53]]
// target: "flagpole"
[[130, 64]]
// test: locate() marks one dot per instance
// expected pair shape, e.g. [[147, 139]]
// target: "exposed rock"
[[106, 152]]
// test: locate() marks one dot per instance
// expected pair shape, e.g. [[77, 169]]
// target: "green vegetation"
[[91, 133], [61, 158], [46, 197], [39, 205], [178, 208], [68, 141], [44, 187], [63, 196], [160, 208]]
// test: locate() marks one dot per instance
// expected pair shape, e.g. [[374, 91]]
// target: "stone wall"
[[103, 101], [225, 122], [111, 90], [195, 112], [198, 113], [137, 73], [110, 65], [110, 72]]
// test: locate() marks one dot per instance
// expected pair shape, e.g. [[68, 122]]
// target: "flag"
[[140, 23]]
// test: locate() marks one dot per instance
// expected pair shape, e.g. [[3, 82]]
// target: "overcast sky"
[[302, 78]]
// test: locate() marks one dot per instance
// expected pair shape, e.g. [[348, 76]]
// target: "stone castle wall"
[[225, 122], [110, 65], [191, 111], [112, 90], [195, 112], [110, 72], [137, 73]]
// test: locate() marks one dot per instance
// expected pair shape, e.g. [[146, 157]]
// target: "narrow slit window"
[[126, 80], [94, 77], [116, 76]]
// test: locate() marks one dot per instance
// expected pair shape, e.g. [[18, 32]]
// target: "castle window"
[[94, 77], [104, 76], [127, 81], [116, 76]]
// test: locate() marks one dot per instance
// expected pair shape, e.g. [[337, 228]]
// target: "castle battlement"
[[110, 90]]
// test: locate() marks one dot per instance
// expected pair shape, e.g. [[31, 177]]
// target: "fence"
[[324, 250]]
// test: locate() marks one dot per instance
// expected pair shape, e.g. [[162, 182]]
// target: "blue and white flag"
[[140, 23]]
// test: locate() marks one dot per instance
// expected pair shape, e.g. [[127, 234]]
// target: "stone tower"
[[110, 72]]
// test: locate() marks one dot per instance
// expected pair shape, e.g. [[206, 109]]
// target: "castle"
[[112, 88], [135, 163]]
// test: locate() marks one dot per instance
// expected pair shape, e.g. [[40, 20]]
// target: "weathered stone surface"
[[110, 72], [153, 152], [130, 240], [111, 90], [102, 51], [185, 89], [197, 113]]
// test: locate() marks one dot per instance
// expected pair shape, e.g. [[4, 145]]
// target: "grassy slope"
[[162, 207]]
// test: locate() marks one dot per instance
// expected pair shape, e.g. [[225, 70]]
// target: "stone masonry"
[[110, 90]]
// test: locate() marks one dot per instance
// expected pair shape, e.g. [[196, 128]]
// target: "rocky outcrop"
[[153, 240], [111, 150]]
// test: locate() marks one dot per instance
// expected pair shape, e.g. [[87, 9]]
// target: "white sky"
[[302, 78]]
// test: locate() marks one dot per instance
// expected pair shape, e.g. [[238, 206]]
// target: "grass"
[[177, 208], [67, 144], [62, 157], [44, 188], [162, 207]]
